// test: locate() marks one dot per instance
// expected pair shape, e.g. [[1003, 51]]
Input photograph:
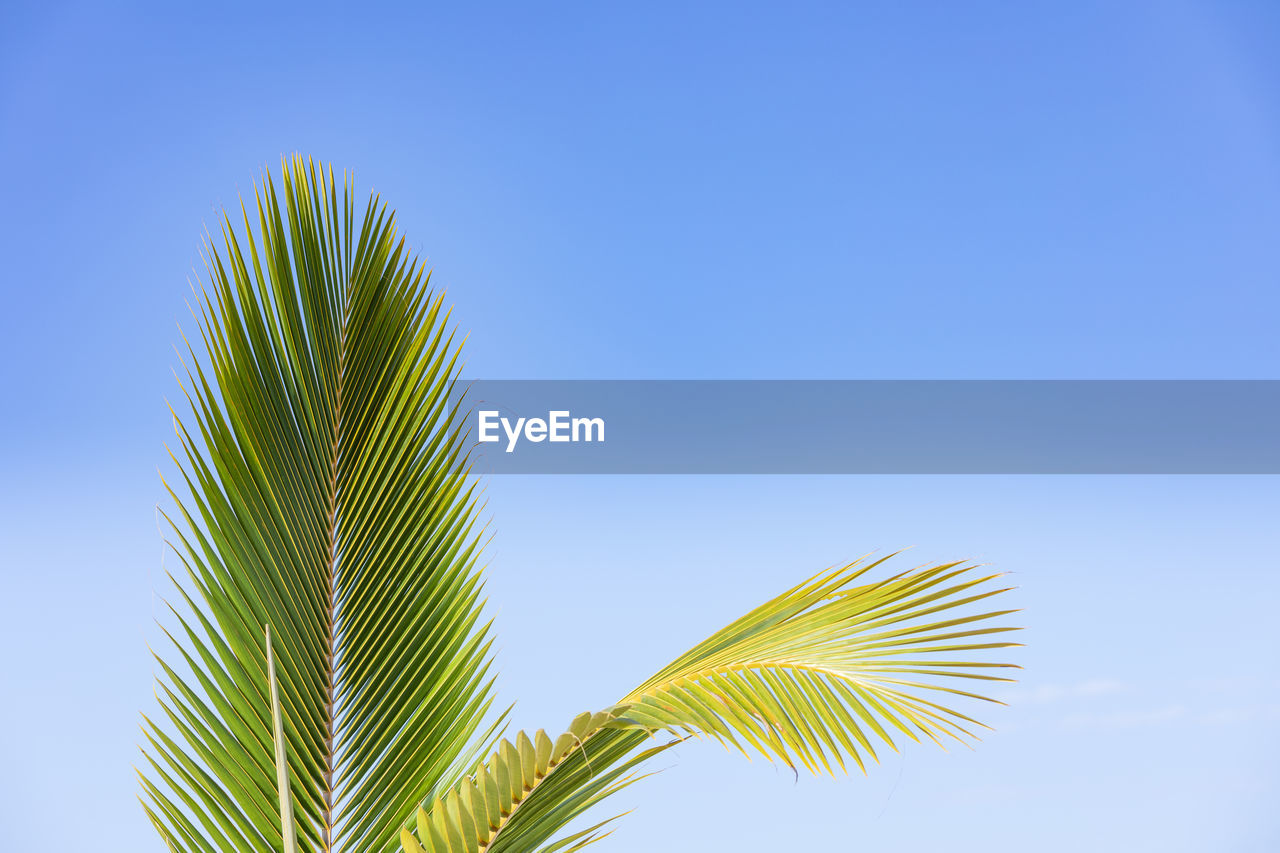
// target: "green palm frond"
[[818, 674], [325, 492], [325, 503]]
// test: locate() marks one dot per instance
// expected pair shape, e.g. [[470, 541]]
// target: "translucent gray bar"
[[878, 427]]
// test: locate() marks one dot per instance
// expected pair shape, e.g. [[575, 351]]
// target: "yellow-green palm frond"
[[819, 674], [826, 670]]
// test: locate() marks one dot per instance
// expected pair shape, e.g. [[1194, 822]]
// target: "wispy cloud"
[[1125, 719], [1047, 693], [1106, 703], [1141, 717], [1244, 714]]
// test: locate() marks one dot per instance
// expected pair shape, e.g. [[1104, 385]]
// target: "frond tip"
[[829, 668]]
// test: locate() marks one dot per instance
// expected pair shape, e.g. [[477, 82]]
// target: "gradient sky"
[[879, 190]]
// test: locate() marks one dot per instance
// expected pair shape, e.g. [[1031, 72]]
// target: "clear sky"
[[867, 190]]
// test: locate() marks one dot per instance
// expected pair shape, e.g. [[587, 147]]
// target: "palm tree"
[[329, 686]]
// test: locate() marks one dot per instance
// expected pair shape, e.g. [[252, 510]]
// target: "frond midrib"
[[330, 758], [843, 673]]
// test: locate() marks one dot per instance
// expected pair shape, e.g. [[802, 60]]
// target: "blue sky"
[[1084, 190]]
